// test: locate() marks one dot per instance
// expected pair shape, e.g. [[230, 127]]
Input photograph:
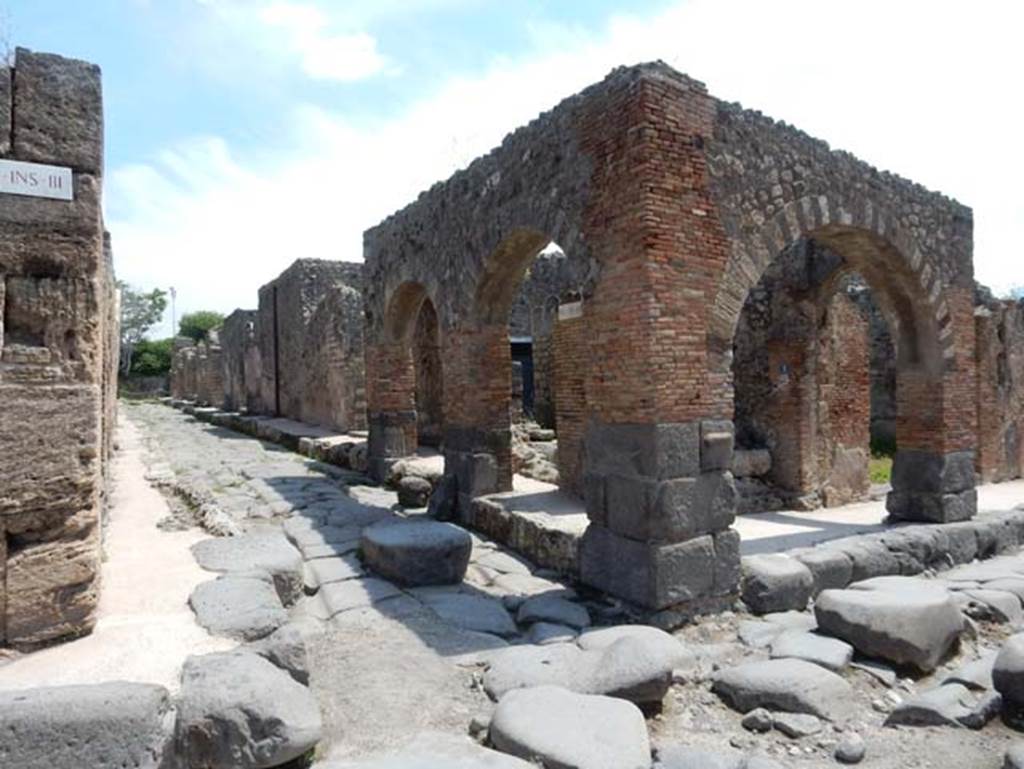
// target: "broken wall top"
[[51, 112]]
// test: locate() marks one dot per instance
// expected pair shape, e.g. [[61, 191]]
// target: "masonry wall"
[[334, 391], [286, 307], [58, 355], [1000, 388], [568, 352], [240, 354]]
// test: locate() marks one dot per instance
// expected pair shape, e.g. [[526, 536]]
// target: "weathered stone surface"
[[822, 650], [550, 608], [417, 552], [947, 705], [775, 583], [542, 633], [829, 568], [472, 612], [796, 725], [237, 709], [58, 104], [915, 625], [1008, 671], [1014, 758], [655, 641], [435, 751], [574, 731], [789, 685], [52, 590], [975, 674], [993, 605], [850, 749], [335, 569], [636, 667], [106, 726], [286, 648], [414, 491], [267, 551], [682, 757], [351, 594], [243, 607]]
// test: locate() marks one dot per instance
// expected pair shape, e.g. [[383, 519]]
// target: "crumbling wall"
[[286, 306], [1000, 387], [334, 392], [58, 354], [240, 355]]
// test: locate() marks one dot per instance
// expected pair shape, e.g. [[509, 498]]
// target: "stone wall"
[[286, 307], [58, 355], [197, 371], [1000, 387], [334, 392], [241, 361]]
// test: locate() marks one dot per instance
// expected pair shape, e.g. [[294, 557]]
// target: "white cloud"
[[926, 94], [324, 55]]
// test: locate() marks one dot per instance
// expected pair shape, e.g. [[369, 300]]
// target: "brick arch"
[[873, 244], [391, 373], [932, 478]]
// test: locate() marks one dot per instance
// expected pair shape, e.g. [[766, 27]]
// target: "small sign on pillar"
[[36, 180]]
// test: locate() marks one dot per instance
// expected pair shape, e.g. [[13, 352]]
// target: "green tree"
[[153, 358], [197, 325], [140, 311]]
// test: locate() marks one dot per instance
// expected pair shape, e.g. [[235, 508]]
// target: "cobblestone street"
[[387, 663]]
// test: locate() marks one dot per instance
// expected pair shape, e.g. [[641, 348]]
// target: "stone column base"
[[932, 487], [657, 576]]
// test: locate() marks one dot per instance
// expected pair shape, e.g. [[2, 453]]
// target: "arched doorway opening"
[[811, 365]]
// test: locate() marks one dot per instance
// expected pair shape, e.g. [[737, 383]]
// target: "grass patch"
[[880, 469]]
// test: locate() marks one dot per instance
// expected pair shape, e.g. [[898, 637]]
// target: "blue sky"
[[243, 134]]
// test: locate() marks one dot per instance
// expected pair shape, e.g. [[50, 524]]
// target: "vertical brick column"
[[391, 404], [933, 472], [569, 353], [657, 485], [477, 433]]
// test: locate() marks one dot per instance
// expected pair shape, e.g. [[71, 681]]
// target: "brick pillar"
[[657, 485], [936, 434], [569, 354], [391, 410], [477, 389]]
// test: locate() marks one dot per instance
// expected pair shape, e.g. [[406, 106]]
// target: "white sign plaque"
[[36, 180], [570, 310]]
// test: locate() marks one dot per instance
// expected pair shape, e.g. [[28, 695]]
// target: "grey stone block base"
[[658, 576], [932, 507]]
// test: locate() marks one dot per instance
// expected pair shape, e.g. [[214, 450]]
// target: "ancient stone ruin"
[[58, 354], [645, 314], [724, 191]]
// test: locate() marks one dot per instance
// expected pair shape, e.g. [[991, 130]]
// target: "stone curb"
[[904, 550]]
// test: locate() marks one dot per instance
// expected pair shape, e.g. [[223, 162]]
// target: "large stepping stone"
[[98, 725], [975, 674], [242, 607], [912, 624], [946, 705], [473, 612], [352, 594], [286, 648], [553, 608], [635, 664], [822, 650], [1008, 671], [559, 728], [435, 750], [790, 685], [237, 709], [775, 582], [268, 551], [417, 552]]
